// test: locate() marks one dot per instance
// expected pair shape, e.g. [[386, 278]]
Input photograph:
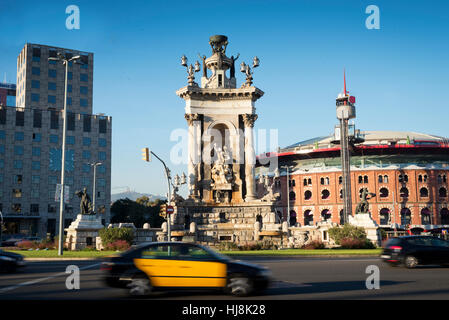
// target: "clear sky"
[[399, 73]]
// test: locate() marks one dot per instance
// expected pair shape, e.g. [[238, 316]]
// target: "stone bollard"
[[146, 226], [285, 227]]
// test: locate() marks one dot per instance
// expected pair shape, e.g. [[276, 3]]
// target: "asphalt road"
[[294, 278]]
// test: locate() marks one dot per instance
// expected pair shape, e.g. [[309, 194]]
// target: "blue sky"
[[399, 73]]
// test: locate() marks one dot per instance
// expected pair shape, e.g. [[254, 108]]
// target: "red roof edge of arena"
[[437, 145]]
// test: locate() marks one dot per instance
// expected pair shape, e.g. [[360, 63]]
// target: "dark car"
[[413, 250], [179, 265], [10, 261], [14, 240]]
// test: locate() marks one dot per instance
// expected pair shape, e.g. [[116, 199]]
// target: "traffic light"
[[163, 211], [146, 154]]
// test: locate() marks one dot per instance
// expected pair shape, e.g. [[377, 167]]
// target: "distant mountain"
[[132, 195]]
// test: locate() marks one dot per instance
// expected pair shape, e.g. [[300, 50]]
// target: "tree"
[[138, 212]]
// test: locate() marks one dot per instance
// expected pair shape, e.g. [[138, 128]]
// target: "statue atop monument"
[[218, 44], [85, 204], [363, 206]]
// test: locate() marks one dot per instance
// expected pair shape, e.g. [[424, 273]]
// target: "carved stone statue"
[[204, 65], [363, 206], [222, 175], [233, 60], [85, 204]]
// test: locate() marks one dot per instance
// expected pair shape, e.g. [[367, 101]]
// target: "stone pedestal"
[[83, 232], [365, 221]]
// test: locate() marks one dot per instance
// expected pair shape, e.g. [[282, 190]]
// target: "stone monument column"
[[250, 156], [194, 155]]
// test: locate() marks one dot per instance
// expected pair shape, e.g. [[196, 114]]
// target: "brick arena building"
[[407, 171]]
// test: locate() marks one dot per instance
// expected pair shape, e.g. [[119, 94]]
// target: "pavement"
[[294, 278]]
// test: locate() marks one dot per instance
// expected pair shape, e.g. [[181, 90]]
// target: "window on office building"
[[36, 71], [3, 116], [37, 137], [52, 86], [52, 73], [36, 151], [102, 143], [54, 119], [70, 140], [17, 193], [37, 118], [20, 118], [84, 77], [35, 84], [19, 136], [83, 90], [35, 165], [18, 150], [101, 155], [86, 154], [35, 97], [17, 179], [102, 126], [83, 102], [16, 207], [86, 141], [51, 99], [86, 123], [35, 179], [70, 121], [54, 138]]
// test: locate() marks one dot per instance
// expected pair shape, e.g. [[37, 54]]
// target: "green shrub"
[[120, 245], [347, 232], [110, 235], [349, 243], [227, 246], [314, 244]]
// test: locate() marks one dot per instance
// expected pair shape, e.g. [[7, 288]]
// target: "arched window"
[[292, 195], [187, 222], [425, 178], [444, 178], [381, 179], [342, 221], [384, 216], [305, 182], [291, 183], [425, 216], [341, 193], [385, 179], [403, 193], [325, 215], [365, 179], [440, 178], [308, 218], [260, 220], [444, 214], [322, 181], [442, 192], [307, 195], [383, 192], [424, 192], [406, 216], [405, 178], [325, 194], [327, 181], [309, 181], [420, 178], [292, 219], [360, 179], [340, 180]]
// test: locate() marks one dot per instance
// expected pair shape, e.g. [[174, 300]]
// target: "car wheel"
[[410, 262], [239, 285], [140, 286]]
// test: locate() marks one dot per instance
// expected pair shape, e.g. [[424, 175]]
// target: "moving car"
[[10, 261], [413, 250], [180, 265], [14, 240]]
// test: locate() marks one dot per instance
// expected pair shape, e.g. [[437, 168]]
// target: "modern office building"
[[31, 143]]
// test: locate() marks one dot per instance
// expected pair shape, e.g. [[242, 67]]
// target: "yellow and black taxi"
[[180, 265]]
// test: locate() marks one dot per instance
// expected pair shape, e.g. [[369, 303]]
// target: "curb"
[[60, 259]]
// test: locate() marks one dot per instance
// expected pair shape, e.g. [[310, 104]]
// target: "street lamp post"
[[65, 62], [176, 184], [1, 228], [94, 164]]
